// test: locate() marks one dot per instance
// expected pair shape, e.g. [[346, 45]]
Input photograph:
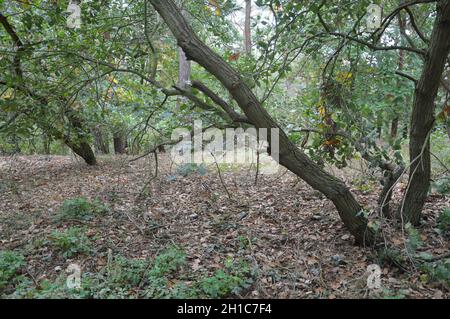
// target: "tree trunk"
[[46, 143], [401, 61], [290, 156], [101, 144], [184, 70], [81, 147], [247, 28], [422, 119], [394, 127], [83, 150], [385, 197], [120, 142]]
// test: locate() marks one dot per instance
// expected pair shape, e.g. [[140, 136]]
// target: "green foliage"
[[390, 294], [168, 261], [191, 168], [414, 241], [443, 221], [438, 271], [10, 264], [70, 242], [442, 185], [81, 209], [230, 280], [133, 278]]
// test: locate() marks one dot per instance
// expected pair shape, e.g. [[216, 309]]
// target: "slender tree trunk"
[[401, 61], [290, 156], [120, 142], [394, 127], [46, 143], [247, 28], [405, 130], [422, 119], [184, 70], [101, 143]]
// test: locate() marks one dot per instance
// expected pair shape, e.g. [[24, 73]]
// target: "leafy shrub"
[[81, 209], [438, 271], [133, 278], [443, 221], [127, 272], [191, 168], [414, 241], [167, 262], [231, 280], [442, 185], [10, 264], [71, 241]]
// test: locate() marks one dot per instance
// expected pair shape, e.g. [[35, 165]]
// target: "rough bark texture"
[[290, 156], [81, 147], [423, 114], [385, 197]]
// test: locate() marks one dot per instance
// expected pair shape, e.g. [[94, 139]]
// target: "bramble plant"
[[81, 209], [72, 241], [10, 264]]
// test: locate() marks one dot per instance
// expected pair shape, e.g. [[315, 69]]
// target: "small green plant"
[[81, 209], [164, 266], [443, 221], [390, 294], [442, 186], [191, 168], [438, 271], [71, 241], [414, 241], [127, 272], [167, 262], [230, 280], [10, 264]]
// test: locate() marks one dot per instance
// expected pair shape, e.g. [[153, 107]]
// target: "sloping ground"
[[288, 234]]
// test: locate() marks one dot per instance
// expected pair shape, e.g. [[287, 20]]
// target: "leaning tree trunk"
[[290, 156], [83, 150], [81, 147], [422, 119]]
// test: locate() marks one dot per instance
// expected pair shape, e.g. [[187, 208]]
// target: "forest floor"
[[288, 235]]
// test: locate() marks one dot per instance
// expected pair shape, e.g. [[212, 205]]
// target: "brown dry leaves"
[[291, 235]]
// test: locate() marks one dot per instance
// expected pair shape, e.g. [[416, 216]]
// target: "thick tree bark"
[[80, 147], [422, 119], [290, 156], [83, 150]]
